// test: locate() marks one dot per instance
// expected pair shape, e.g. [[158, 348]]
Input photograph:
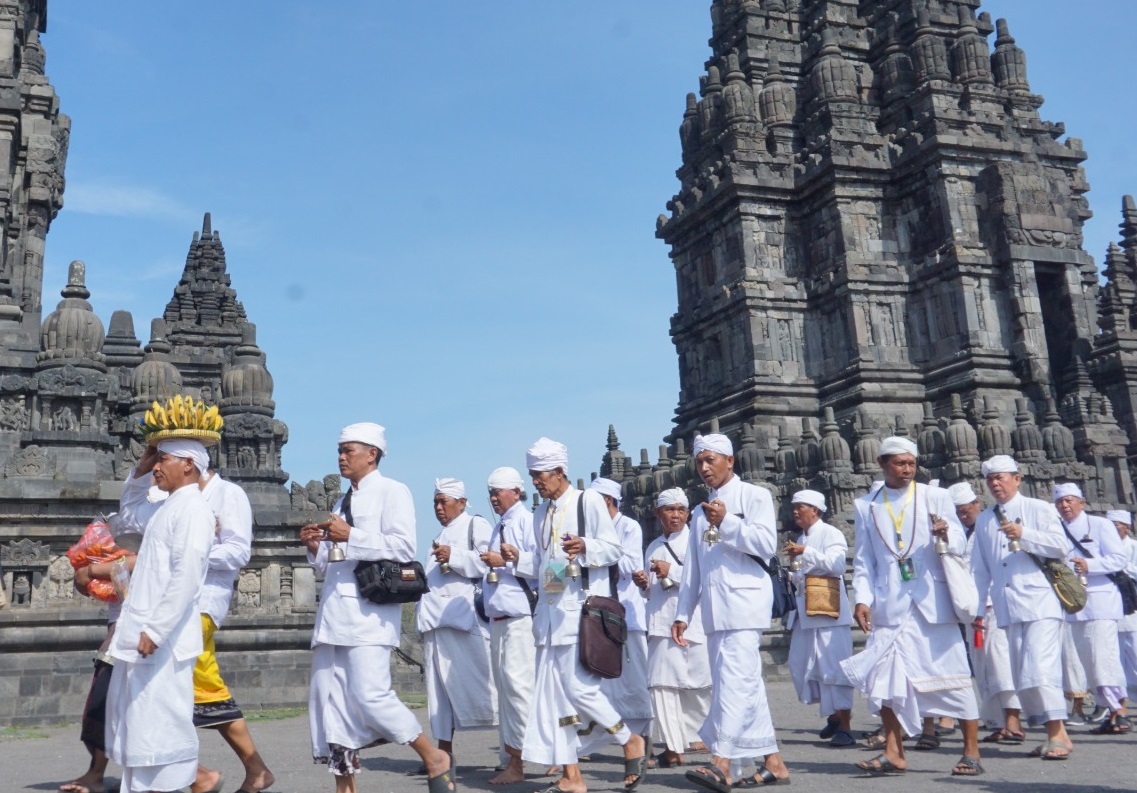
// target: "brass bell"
[[1082, 579], [491, 576], [711, 535], [336, 554], [444, 567], [666, 583], [1014, 546], [941, 546], [795, 565], [572, 570]]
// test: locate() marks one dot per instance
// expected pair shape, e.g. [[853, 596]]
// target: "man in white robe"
[[1095, 552], [214, 705], [157, 638], [1026, 607], [820, 642], [990, 656], [1127, 627], [679, 678], [456, 659], [351, 704], [916, 663], [733, 590], [510, 600], [628, 693], [568, 703]]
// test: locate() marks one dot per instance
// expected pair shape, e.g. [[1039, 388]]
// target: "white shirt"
[[733, 590], [825, 551], [632, 542], [1018, 589], [167, 580], [1100, 538], [660, 604], [232, 539], [450, 601], [384, 515], [557, 619], [506, 598], [1128, 623], [877, 581]]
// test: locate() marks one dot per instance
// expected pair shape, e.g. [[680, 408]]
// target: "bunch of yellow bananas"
[[181, 413]]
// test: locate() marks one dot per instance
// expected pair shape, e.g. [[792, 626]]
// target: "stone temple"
[[71, 396], [876, 233]]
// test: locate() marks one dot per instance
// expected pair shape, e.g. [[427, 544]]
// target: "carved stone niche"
[[25, 564], [31, 462]]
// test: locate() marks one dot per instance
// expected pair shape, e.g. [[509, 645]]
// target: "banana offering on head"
[[181, 413]]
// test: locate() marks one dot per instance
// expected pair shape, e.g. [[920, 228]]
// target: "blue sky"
[[441, 215]]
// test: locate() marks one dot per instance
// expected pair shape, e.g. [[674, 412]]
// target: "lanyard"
[[554, 523], [896, 522]]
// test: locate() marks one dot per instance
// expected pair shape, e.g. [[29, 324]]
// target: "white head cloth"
[[455, 488], [505, 478], [547, 455], [719, 444], [1063, 489], [671, 497], [897, 445], [1000, 464], [810, 497], [606, 487], [365, 432], [1119, 516], [962, 493], [187, 448]]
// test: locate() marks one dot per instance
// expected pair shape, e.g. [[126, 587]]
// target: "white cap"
[[962, 493], [606, 487], [1064, 489], [999, 464], [455, 488], [897, 445], [715, 442], [1120, 516], [810, 497], [505, 478], [671, 497], [188, 449], [547, 455], [365, 432]]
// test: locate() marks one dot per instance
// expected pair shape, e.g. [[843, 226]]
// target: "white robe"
[[149, 721], [1024, 604], [628, 693], [916, 663], [567, 697], [819, 644], [350, 702], [1127, 627], [734, 596]]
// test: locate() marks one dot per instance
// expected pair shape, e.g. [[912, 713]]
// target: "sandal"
[[1012, 737], [710, 777], [636, 767], [764, 777], [967, 766], [879, 766], [1111, 727], [1056, 751], [843, 738], [995, 737], [927, 743], [832, 725], [669, 759], [875, 740]]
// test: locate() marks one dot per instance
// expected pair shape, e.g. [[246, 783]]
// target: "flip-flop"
[[927, 743], [766, 775], [637, 767], [1050, 754], [883, 766], [995, 737], [1012, 738], [442, 783], [710, 777], [967, 766]]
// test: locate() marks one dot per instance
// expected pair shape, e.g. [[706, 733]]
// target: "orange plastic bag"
[[96, 546]]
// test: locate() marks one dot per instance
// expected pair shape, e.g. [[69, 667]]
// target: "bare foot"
[[207, 780], [697, 747], [552, 770], [88, 783], [513, 773], [568, 787], [438, 762], [256, 781]]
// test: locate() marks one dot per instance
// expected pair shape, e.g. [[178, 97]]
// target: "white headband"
[[999, 464], [1064, 489], [962, 493], [810, 497], [606, 487], [365, 432], [671, 497], [455, 488], [188, 449], [547, 455], [719, 444], [897, 445], [505, 478], [1120, 516]]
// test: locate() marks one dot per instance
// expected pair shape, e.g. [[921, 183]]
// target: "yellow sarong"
[[207, 683]]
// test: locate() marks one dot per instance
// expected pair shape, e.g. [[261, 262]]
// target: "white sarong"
[[739, 724], [457, 672], [628, 693], [1036, 661], [679, 680], [1128, 644], [815, 664], [149, 723], [992, 666], [1100, 653], [916, 669], [513, 661], [350, 701], [1073, 675]]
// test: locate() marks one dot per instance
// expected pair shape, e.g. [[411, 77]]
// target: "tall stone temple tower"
[[72, 394], [875, 232]]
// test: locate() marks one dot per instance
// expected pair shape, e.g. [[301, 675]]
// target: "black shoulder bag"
[[1125, 585], [785, 593], [603, 627], [386, 581]]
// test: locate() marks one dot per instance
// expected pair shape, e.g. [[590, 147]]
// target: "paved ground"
[[53, 755]]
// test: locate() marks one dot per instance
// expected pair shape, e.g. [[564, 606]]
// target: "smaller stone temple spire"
[[73, 334], [204, 310], [1009, 61]]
